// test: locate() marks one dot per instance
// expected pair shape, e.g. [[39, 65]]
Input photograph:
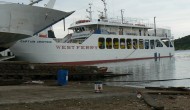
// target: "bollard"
[[62, 77], [98, 87]]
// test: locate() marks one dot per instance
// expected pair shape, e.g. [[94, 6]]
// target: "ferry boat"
[[98, 41], [18, 21]]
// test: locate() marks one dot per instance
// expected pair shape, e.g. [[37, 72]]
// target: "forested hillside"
[[182, 43]]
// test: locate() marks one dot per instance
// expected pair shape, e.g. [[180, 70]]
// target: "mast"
[[105, 9], [155, 26], [89, 11], [122, 12], [34, 2]]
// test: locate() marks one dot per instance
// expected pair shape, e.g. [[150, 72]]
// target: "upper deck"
[[129, 22]]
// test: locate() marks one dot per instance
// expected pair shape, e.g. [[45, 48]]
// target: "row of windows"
[[122, 43]]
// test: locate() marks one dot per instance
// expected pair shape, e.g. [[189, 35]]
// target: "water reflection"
[[143, 70]]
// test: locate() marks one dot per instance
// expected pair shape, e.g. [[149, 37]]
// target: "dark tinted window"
[[129, 44], [116, 43], [109, 43], [122, 43], [101, 43]]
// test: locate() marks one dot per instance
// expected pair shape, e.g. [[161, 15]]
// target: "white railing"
[[126, 21]]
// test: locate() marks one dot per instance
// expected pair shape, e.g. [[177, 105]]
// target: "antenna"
[[122, 12], [34, 2], [105, 9], [89, 11], [101, 15]]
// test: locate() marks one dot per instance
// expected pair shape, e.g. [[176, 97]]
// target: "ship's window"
[[140, 32], [80, 29], [109, 43], [146, 44], [120, 31], [171, 44], [144, 33], [141, 43], [83, 29], [166, 42], [135, 44], [122, 43], [152, 46], [116, 43], [129, 44], [158, 44], [101, 43], [77, 30]]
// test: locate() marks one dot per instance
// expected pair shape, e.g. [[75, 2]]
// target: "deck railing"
[[127, 21]]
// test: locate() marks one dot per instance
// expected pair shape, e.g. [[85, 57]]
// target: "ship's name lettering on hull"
[[62, 47], [33, 41]]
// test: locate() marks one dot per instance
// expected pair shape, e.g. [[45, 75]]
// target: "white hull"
[[98, 41], [46, 50]]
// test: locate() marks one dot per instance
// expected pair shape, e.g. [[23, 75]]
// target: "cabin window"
[[120, 31], [144, 33], [158, 44], [122, 43], [101, 43], [129, 44], [146, 44], [116, 43], [109, 43], [77, 30], [80, 29], [140, 33], [83, 29], [135, 44], [171, 44], [141, 43], [166, 42], [152, 46]]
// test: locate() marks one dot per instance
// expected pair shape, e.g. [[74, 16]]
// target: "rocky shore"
[[81, 96]]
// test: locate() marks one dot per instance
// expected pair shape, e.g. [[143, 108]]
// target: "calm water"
[[145, 70]]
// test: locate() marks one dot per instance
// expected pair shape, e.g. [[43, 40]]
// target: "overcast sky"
[[171, 13]]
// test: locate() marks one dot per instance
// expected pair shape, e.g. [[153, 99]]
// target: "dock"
[[11, 71]]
